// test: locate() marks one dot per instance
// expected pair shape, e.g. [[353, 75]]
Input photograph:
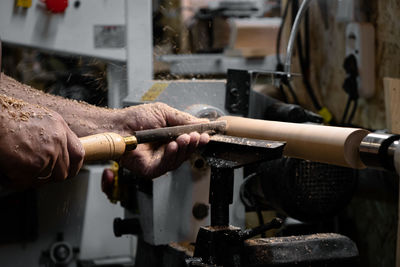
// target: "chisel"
[[111, 146]]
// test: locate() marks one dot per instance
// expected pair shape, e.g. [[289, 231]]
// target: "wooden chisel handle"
[[111, 146], [106, 146]]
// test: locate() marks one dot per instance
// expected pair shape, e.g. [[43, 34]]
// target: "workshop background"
[[374, 219], [371, 218]]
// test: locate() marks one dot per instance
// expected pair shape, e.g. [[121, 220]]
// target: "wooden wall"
[[328, 52], [375, 221]]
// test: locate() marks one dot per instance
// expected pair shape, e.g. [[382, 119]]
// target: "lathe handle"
[[104, 146]]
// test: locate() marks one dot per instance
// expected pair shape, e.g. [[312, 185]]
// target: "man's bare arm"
[[82, 118], [85, 119], [148, 160], [36, 145]]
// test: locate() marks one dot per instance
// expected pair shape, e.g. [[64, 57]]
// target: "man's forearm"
[[82, 118]]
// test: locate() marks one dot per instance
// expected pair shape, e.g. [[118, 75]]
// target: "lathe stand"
[[223, 245]]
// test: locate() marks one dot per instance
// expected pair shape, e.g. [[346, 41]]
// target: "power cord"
[[350, 86], [304, 58], [250, 201], [279, 66]]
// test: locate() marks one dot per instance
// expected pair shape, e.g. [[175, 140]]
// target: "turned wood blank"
[[332, 145]]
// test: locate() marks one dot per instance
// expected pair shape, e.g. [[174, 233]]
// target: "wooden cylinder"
[[332, 145], [104, 146]]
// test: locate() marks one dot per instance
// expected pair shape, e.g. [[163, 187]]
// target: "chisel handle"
[[111, 146], [106, 146]]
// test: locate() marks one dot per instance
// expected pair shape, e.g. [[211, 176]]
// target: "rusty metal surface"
[[221, 228], [300, 249], [234, 152], [245, 141]]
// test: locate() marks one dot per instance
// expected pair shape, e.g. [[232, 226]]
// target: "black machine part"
[[272, 109], [304, 190], [60, 254], [223, 245], [243, 98], [228, 246], [224, 154]]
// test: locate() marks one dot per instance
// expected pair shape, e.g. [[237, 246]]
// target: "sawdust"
[[85, 119], [14, 108], [186, 247], [300, 238], [19, 110], [8, 102], [221, 228]]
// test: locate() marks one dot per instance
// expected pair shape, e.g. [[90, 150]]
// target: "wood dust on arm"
[[83, 118]]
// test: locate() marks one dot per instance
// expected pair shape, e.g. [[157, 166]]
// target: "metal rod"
[[221, 195], [377, 150], [169, 133], [293, 34]]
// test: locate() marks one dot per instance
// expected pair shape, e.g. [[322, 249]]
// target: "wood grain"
[[104, 146], [392, 104], [332, 145]]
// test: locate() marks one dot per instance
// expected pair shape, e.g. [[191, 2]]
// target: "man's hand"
[[153, 160], [36, 145], [84, 119]]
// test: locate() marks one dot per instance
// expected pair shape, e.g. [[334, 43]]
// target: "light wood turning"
[[332, 145]]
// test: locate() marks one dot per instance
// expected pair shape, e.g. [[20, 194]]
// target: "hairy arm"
[[85, 119], [36, 145], [82, 118], [148, 160]]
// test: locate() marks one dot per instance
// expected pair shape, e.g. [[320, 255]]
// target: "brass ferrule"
[[130, 142]]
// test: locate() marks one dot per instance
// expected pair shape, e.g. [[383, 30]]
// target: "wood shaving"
[[19, 110]]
